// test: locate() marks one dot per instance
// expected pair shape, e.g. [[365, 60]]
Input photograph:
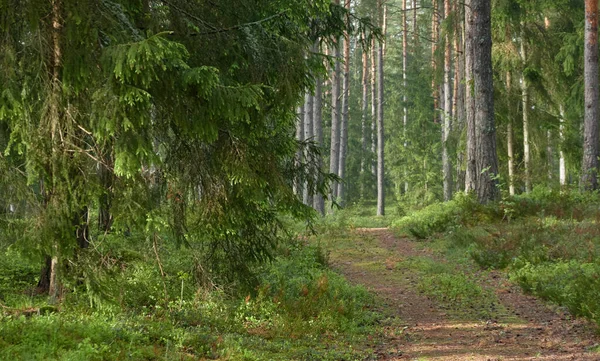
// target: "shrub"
[[441, 217], [571, 283]]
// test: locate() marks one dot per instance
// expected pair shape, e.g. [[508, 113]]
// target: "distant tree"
[[589, 172]]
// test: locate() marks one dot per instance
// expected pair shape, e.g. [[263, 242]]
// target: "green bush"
[[301, 290], [441, 217], [571, 283]]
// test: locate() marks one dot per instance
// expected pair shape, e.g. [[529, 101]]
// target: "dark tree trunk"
[[106, 180], [486, 157]]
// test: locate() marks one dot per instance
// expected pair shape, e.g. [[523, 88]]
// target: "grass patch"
[[452, 288], [548, 241]]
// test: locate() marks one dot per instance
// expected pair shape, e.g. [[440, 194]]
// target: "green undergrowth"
[[299, 310], [463, 210], [547, 241], [360, 215], [454, 287]]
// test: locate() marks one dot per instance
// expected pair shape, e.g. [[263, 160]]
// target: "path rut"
[[529, 329]]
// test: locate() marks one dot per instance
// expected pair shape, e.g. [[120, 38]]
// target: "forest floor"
[[423, 323]]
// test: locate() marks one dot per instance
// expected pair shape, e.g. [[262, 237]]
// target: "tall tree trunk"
[[486, 157], [298, 183], [49, 273], [364, 113], [318, 200], [562, 169], [510, 140], [471, 172], [589, 171], [434, 44], [525, 101], [345, 107], [458, 102], [380, 129], [404, 91], [447, 126], [334, 160], [374, 107], [415, 28], [308, 135]]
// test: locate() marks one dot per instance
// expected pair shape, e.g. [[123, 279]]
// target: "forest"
[[299, 180]]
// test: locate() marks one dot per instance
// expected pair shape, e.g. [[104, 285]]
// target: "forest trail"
[[521, 328]]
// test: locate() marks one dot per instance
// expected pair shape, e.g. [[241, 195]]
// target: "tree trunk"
[[525, 102], [380, 130], [298, 183], [486, 157], [510, 140], [49, 272], [105, 175], [459, 95], [471, 172], [374, 107], [308, 135], [318, 201], [364, 112], [434, 38], [404, 90], [334, 160], [589, 171], [415, 29], [447, 126], [562, 169], [345, 107]]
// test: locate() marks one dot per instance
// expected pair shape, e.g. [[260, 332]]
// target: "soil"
[[528, 329]]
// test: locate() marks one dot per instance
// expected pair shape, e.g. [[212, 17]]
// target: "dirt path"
[[527, 329]]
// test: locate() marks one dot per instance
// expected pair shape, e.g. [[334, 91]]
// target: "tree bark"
[[298, 183], [105, 175], [589, 171], [471, 172], [434, 44], [415, 28], [458, 102], [308, 135], [50, 268], [364, 114], [345, 108], [525, 102], [318, 200], [447, 126], [486, 157], [374, 107], [380, 123], [334, 160], [404, 90]]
